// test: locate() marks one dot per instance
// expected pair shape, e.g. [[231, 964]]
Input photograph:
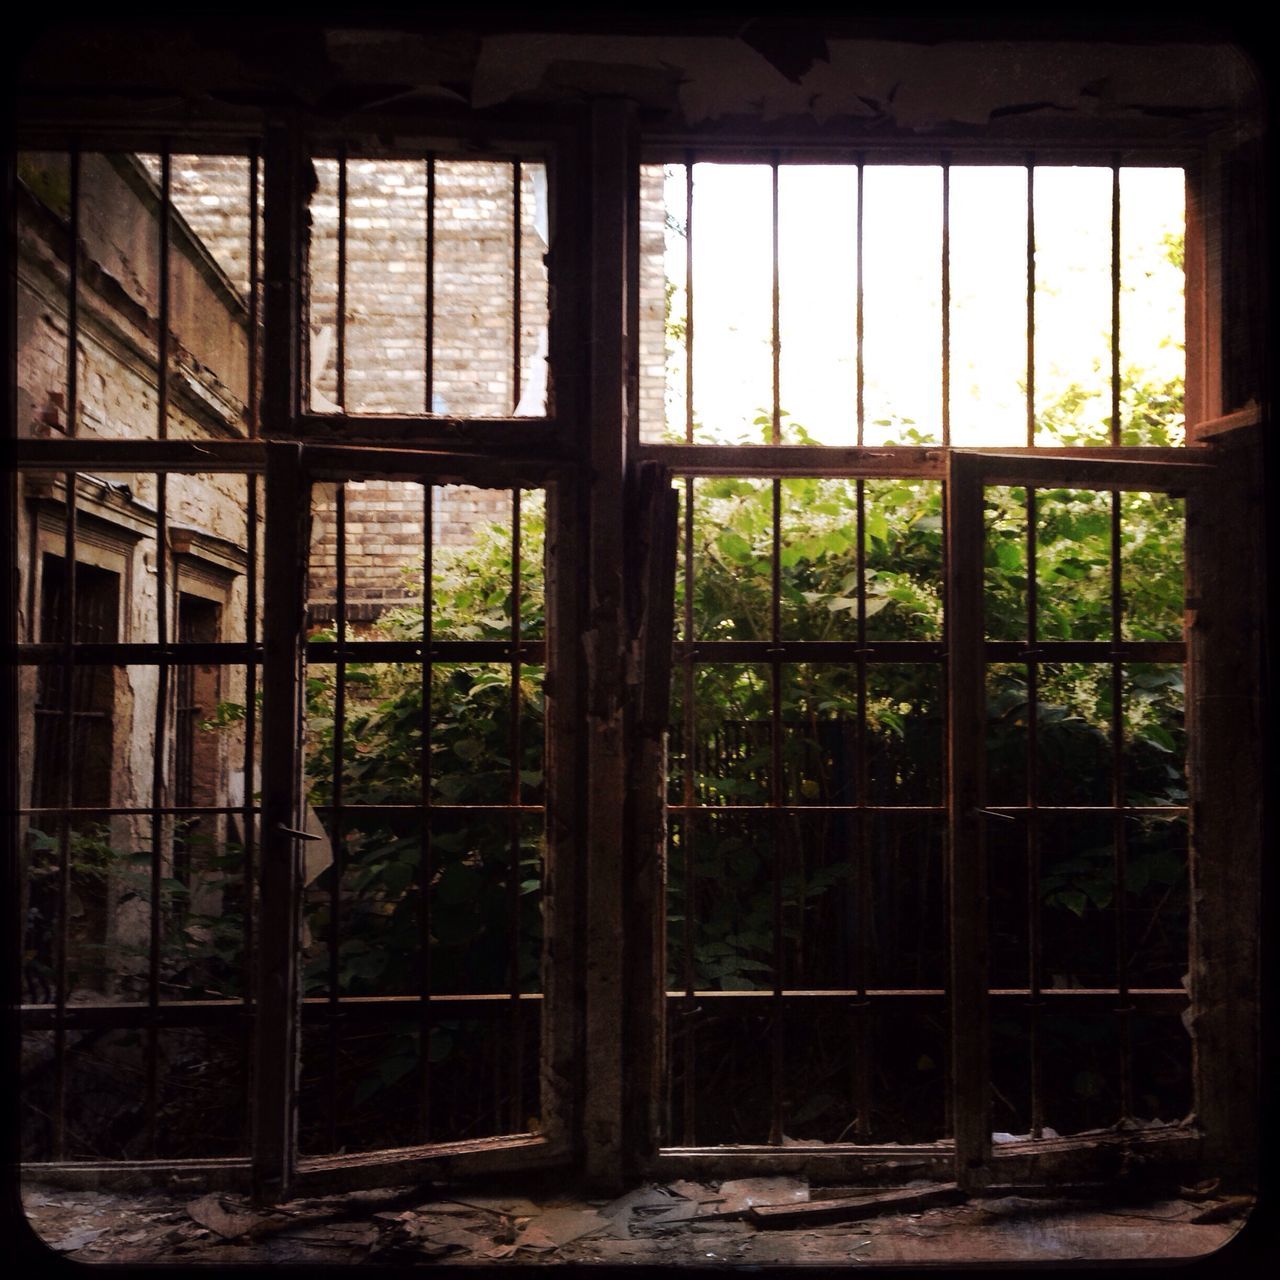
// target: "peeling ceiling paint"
[[915, 87]]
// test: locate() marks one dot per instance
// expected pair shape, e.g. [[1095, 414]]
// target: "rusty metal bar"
[[516, 371], [277, 985], [516, 1054], [1033, 823], [862, 854], [162, 338], [426, 867], [945, 677], [97, 454], [611, 140], [73, 292], [337, 833], [157, 800], [530, 651], [1124, 1009], [162, 639], [366, 1009], [946, 299], [1031, 299], [249, 809], [64, 826], [429, 304], [252, 634], [688, 298], [340, 393], [775, 427], [687, 826], [777, 1028], [1115, 302], [970, 1014], [860, 370], [251, 409]]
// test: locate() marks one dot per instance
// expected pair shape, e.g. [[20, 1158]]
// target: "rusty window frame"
[[1160, 469], [249, 458]]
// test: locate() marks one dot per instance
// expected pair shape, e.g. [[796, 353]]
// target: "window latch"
[[293, 831], [991, 813]]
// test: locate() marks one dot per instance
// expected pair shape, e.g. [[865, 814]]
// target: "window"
[[423, 450]]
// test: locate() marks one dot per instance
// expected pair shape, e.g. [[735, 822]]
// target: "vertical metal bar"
[[688, 300], [970, 1011], [776, 797], [162, 350], [775, 802], [248, 866], [1124, 1006], [516, 1055], [429, 319], [611, 154], [337, 838], [157, 801], [860, 373], [251, 631], [862, 851], [944, 672], [1115, 301], [1033, 822], [67, 722], [73, 294], [1031, 299], [946, 299], [516, 372], [341, 356], [426, 870], [163, 670], [687, 832], [277, 985], [251, 409], [776, 790], [66, 718], [775, 428]]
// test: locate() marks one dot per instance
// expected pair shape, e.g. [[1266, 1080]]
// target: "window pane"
[[902, 300]]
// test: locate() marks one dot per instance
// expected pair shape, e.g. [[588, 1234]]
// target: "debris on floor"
[[747, 1221]]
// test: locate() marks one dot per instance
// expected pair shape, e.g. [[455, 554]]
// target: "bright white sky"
[[902, 239]]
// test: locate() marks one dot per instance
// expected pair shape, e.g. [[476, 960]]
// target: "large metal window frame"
[[592, 440], [1191, 469]]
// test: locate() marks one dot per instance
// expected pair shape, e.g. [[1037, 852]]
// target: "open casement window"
[[417, 833], [1072, 853]]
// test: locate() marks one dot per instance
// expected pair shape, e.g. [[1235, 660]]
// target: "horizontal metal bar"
[[209, 1013], [443, 651], [319, 1009], [126, 811], [520, 440], [743, 144], [1149, 995], [906, 461], [798, 810], [1106, 471], [845, 651], [211, 653], [245, 457], [446, 810], [1043, 465], [1085, 651], [1129, 810]]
